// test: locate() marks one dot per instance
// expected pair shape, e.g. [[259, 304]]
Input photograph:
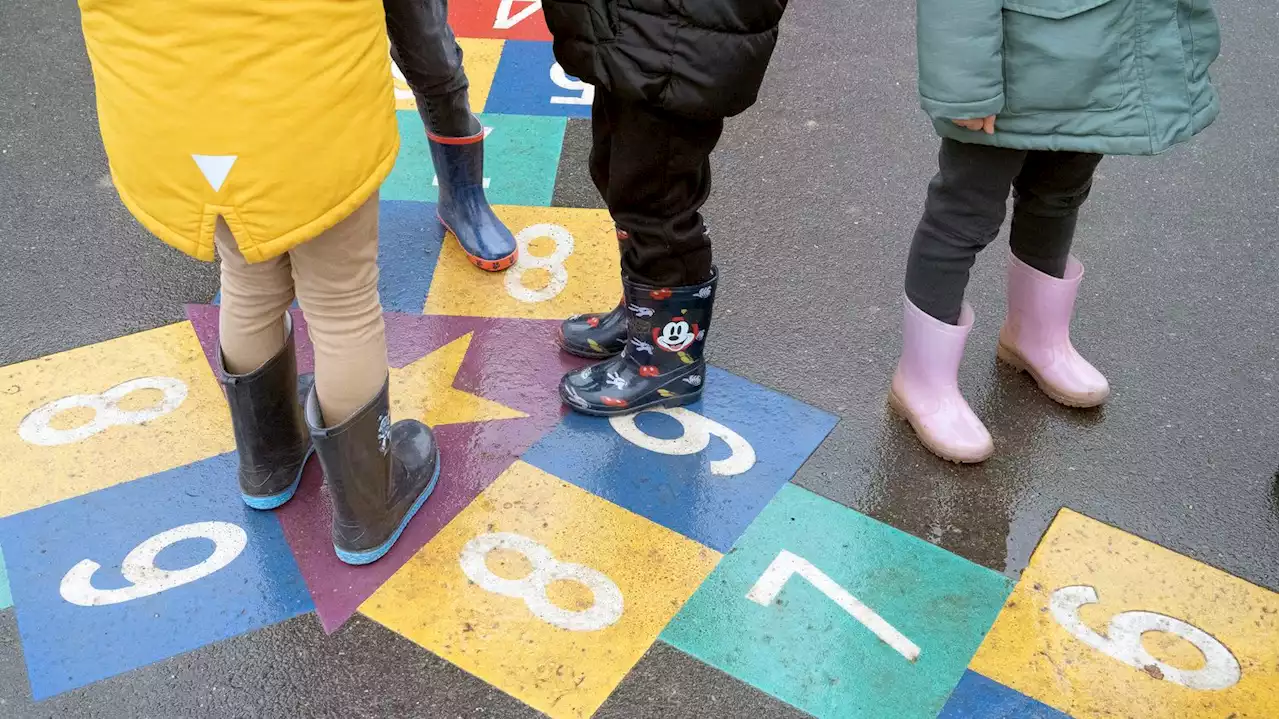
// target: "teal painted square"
[[6, 597], [521, 155], [805, 649]]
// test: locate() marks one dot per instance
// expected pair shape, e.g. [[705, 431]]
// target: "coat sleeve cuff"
[[940, 110]]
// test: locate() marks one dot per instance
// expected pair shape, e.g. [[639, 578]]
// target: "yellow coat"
[[278, 115]]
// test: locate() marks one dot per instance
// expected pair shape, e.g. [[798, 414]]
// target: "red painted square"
[[505, 19]]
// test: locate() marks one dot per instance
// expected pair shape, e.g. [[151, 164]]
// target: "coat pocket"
[[1066, 55]]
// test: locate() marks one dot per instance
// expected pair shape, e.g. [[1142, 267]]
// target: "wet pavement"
[[816, 191]]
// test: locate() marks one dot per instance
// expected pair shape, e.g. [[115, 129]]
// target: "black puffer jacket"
[[697, 58]]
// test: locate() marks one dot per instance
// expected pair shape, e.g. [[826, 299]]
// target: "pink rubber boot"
[[925, 392], [1036, 337]]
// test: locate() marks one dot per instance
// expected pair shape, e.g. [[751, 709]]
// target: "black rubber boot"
[[596, 335], [379, 475], [266, 417], [662, 363]]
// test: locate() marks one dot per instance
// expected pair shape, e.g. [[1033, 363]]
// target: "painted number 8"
[[139, 565], [1123, 641], [36, 428], [698, 431], [552, 263], [532, 588]]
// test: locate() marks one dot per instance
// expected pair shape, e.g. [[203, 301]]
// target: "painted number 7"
[[769, 585]]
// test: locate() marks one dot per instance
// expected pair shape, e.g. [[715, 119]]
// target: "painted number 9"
[[586, 93], [139, 566], [553, 263], [532, 588], [1123, 641], [36, 428], [698, 431]]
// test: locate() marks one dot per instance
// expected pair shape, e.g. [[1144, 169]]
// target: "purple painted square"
[[513, 362]]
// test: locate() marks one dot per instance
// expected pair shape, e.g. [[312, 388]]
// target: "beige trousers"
[[335, 279]]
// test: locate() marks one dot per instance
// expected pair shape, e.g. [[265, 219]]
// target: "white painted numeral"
[[504, 20], [770, 583], [553, 263], [697, 436], [587, 93], [604, 611], [35, 427], [1123, 641], [140, 569]]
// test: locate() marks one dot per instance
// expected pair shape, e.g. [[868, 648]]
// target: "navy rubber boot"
[[459, 163], [662, 363], [596, 335], [378, 474], [266, 418]]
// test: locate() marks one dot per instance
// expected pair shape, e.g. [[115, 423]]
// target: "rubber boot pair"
[[654, 341], [463, 208], [378, 474], [1035, 338]]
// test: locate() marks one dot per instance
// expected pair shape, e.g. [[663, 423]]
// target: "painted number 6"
[[1123, 641], [605, 609], [698, 431], [139, 566]]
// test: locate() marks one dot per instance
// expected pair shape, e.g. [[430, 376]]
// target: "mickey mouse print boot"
[[662, 363]]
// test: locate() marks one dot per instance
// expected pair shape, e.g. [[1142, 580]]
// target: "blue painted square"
[[75, 550], [692, 480], [409, 239], [529, 82], [977, 697], [838, 614], [521, 157]]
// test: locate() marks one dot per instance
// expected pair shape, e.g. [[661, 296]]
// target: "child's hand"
[[985, 124]]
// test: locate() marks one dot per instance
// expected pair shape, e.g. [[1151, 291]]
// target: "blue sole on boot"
[[276, 500], [368, 556]]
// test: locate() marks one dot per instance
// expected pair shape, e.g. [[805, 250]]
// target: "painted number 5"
[[1123, 641], [698, 431], [769, 585], [586, 93], [139, 566]]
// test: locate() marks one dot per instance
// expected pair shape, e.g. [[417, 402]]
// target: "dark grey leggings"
[[966, 206], [423, 46]]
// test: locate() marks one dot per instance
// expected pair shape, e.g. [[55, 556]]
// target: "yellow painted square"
[[1138, 586], [98, 436], [568, 662], [568, 263], [479, 61]]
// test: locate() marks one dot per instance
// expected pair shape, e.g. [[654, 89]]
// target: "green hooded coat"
[[1117, 77]]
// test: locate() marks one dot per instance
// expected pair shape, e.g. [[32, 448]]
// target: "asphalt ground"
[[816, 192]]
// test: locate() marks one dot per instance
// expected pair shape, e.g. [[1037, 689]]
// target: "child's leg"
[[659, 175], [254, 299], [1048, 193], [336, 275], [962, 214], [425, 50]]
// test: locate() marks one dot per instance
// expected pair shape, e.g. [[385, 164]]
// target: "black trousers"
[[966, 206], [424, 48], [654, 173]]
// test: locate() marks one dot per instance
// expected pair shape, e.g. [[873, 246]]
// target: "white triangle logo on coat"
[[215, 168]]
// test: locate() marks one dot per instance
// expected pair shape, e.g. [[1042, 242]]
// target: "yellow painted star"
[[424, 390]]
